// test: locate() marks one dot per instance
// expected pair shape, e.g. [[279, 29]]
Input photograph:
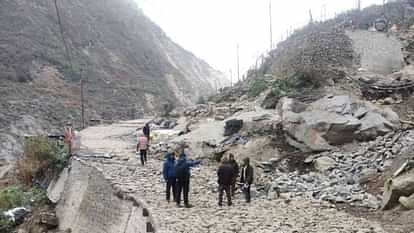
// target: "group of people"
[[228, 174], [177, 177], [177, 172]]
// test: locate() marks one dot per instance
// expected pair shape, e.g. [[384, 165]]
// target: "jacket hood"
[[169, 156]]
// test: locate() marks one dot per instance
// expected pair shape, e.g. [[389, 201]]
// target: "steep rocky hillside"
[[129, 64]]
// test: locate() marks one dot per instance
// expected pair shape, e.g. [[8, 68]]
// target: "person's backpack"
[[180, 170]]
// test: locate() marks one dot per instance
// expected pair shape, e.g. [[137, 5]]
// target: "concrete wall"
[[89, 204]]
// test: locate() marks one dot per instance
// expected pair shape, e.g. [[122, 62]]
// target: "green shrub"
[[292, 85], [17, 196], [42, 158], [201, 100], [6, 226], [257, 86]]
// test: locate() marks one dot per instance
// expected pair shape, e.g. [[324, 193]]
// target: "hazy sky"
[[211, 29]]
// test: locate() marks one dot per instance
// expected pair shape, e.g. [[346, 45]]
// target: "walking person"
[[142, 148], [225, 175], [69, 134], [147, 131], [169, 176], [246, 179], [236, 170], [183, 174]]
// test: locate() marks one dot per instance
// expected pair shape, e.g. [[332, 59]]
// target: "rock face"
[[333, 120]]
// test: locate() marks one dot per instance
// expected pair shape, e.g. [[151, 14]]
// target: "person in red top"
[[142, 147], [69, 134]]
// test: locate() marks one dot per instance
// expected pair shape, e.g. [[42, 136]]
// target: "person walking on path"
[[69, 134], [169, 176], [236, 171], [183, 174], [246, 179], [147, 131], [225, 175], [142, 148]]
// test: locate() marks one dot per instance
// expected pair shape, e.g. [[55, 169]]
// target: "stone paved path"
[[262, 215]]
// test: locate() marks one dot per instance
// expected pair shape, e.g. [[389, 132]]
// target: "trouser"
[[246, 191], [171, 186], [233, 186], [183, 185], [224, 188], [143, 154]]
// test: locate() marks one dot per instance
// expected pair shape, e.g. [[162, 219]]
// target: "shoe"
[[220, 204], [188, 206], [229, 204], [178, 205]]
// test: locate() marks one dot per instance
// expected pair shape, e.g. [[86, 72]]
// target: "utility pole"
[[238, 63], [82, 100], [311, 17], [271, 24], [231, 78], [359, 4]]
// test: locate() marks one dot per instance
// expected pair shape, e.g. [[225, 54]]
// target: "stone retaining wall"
[[89, 204]]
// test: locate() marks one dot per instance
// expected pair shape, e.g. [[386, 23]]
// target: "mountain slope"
[[129, 65]]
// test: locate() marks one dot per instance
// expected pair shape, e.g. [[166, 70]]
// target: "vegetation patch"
[[42, 159], [257, 86]]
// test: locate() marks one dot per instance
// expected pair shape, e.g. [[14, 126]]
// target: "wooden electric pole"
[[238, 63], [271, 24], [231, 78], [82, 100]]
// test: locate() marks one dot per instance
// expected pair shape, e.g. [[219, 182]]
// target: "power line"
[[62, 34]]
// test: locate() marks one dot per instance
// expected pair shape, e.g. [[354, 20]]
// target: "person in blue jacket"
[[182, 173], [168, 172]]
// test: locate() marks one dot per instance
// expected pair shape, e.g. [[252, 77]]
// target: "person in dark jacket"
[[225, 175], [183, 174], [147, 130], [247, 175], [236, 170], [169, 175]]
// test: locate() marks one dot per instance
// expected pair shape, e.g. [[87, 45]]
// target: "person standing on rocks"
[[246, 179], [225, 175], [168, 172], [183, 174], [236, 170], [142, 148]]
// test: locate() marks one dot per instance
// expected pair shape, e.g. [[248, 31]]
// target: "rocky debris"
[[232, 126], [334, 120], [164, 123], [49, 220], [268, 211]]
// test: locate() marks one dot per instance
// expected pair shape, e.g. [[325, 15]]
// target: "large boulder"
[[232, 126], [397, 187], [333, 120]]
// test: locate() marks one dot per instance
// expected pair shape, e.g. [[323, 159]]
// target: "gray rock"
[[407, 202], [394, 188], [325, 163]]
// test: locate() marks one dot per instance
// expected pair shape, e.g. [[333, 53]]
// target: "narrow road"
[[262, 215]]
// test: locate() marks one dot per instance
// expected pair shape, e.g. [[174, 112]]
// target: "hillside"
[[129, 65]]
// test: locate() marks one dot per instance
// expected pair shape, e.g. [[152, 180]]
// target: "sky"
[[212, 29]]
